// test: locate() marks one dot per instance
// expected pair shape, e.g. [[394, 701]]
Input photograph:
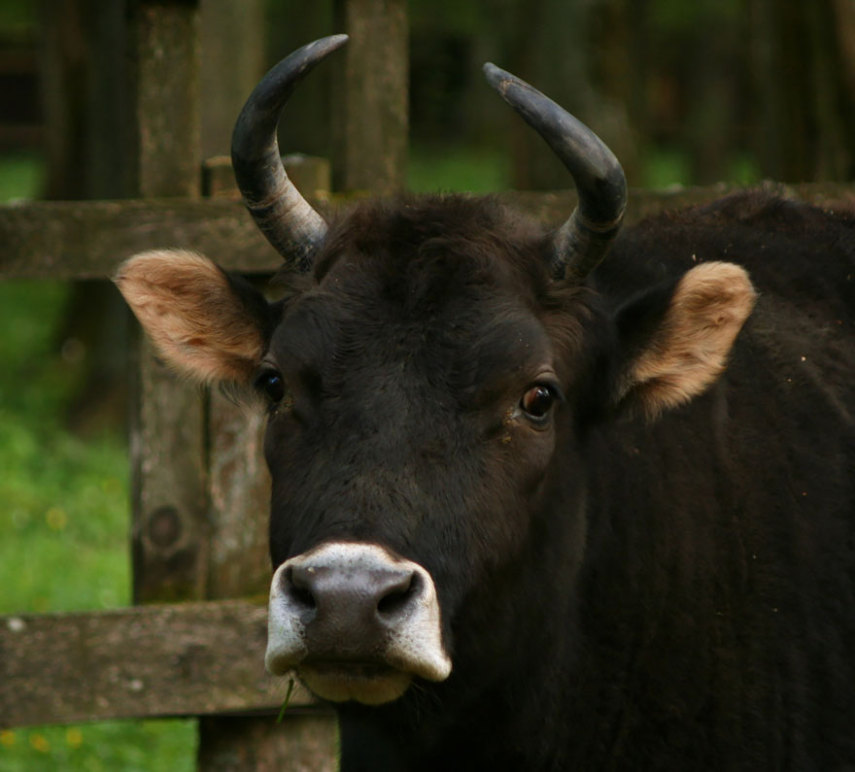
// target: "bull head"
[[425, 395], [296, 230]]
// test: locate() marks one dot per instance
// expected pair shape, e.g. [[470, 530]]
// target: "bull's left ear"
[[676, 339], [205, 323]]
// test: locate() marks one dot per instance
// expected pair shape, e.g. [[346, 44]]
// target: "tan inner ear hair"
[[690, 349], [187, 307]]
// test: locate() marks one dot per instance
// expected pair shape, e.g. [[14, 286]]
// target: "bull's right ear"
[[205, 323]]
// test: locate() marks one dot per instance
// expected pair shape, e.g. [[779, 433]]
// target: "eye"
[[537, 402], [271, 384]]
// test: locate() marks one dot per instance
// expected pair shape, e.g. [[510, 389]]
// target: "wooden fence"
[[194, 645]]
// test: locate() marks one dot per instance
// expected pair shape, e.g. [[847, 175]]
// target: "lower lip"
[[368, 683], [356, 670]]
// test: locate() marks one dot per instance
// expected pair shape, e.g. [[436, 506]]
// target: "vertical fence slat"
[[168, 430], [370, 106], [234, 57], [168, 472], [239, 491], [303, 743], [166, 49]]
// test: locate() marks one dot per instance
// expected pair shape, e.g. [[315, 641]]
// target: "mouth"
[[366, 682], [356, 623]]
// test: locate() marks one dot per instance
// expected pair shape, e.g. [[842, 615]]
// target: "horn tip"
[[335, 41], [323, 47], [496, 76]]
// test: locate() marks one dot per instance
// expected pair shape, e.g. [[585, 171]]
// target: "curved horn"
[[283, 215], [583, 240]]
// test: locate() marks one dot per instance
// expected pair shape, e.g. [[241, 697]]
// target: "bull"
[[533, 509]]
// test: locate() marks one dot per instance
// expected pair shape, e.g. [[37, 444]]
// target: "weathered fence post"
[[370, 107], [233, 58], [168, 427]]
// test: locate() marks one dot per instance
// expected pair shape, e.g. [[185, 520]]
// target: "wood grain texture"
[[88, 239], [83, 239], [170, 530], [172, 660], [306, 742], [166, 51], [371, 110], [239, 500]]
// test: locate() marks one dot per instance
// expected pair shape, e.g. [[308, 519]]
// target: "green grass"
[[21, 176], [663, 167], [18, 15], [113, 746], [441, 168], [64, 520], [64, 500]]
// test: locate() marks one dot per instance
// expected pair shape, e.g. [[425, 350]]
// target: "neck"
[[505, 703]]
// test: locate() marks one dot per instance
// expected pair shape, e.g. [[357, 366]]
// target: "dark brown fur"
[[615, 593]]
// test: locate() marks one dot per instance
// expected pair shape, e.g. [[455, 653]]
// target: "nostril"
[[393, 602], [297, 583], [399, 597]]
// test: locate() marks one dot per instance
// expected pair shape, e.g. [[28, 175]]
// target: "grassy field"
[[64, 526], [63, 520], [457, 168]]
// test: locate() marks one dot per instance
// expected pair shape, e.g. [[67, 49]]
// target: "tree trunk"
[[83, 62], [713, 89], [233, 61], [552, 45], [802, 57]]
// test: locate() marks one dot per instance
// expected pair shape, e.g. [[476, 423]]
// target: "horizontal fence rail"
[[84, 240], [186, 659]]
